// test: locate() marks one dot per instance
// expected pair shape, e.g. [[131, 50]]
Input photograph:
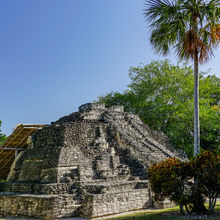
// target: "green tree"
[[162, 95], [2, 136], [191, 26]]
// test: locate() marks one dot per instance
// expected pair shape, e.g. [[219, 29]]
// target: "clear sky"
[[56, 55]]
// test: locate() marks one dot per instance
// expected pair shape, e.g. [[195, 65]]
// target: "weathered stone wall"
[[38, 189], [95, 205], [38, 206], [104, 199]]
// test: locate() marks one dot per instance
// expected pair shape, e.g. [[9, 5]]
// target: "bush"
[[207, 172], [185, 183], [168, 180]]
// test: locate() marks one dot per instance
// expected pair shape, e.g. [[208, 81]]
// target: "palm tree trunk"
[[196, 92], [196, 105]]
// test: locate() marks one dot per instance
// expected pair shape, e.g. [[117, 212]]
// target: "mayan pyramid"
[[90, 163]]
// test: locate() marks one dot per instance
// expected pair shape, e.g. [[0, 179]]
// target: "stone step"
[[95, 188], [51, 189]]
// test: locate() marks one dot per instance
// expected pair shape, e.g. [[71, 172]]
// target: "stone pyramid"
[[90, 163]]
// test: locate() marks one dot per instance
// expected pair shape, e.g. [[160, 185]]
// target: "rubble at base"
[[90, 163]]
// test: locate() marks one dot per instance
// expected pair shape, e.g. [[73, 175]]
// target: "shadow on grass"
[[163, 214]]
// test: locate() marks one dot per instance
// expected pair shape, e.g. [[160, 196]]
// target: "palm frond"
[[162, 9], [171, 24]]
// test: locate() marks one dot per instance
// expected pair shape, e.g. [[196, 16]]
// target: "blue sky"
[[56, 55]]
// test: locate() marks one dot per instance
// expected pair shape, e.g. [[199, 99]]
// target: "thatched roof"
[[14, 144]]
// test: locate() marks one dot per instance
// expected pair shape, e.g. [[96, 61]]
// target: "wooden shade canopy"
[[15, 143]]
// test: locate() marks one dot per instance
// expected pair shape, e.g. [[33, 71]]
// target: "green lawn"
[[159, 214]]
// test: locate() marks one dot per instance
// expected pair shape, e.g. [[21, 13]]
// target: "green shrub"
[[206, 168], [168, 180], [185, 183]]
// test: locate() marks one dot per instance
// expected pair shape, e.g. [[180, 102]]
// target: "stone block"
[[92, 106]]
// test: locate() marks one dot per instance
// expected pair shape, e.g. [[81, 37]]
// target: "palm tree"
[[192, 27]]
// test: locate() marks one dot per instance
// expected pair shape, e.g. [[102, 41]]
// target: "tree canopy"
[[2, 136], [192, 27], [162, 95]]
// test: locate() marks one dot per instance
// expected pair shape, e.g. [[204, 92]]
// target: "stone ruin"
[[90, 163]]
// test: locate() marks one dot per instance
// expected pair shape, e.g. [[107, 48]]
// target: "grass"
[[160, 214]]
